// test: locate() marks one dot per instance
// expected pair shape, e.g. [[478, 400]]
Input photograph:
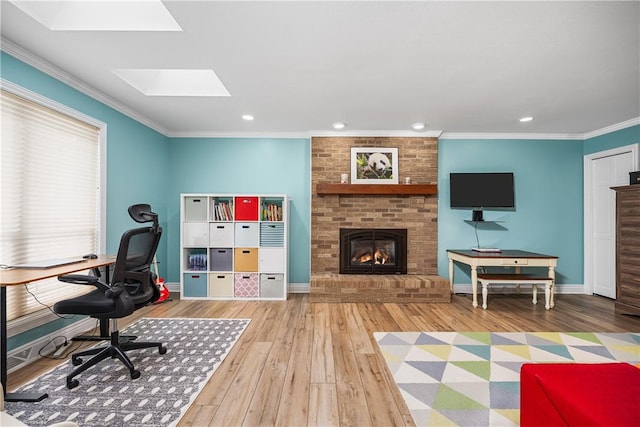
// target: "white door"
[[606, 171]]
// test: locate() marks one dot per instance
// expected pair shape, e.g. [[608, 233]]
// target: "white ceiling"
[[462, 67]]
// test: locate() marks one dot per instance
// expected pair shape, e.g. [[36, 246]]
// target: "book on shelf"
[[223, 211], [271, 212]]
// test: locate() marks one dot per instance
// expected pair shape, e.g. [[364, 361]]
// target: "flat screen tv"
[[482, 190]]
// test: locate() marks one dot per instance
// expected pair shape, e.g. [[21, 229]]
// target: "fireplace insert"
[[373, 251]]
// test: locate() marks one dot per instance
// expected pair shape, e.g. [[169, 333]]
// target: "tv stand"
[[505, 258]]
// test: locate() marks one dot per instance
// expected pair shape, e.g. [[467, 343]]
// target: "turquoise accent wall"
[[137, 158], [548, 194], [243, 166], [145, 166], [619, 138]]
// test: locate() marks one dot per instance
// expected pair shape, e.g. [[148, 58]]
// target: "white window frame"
[[25, 323]]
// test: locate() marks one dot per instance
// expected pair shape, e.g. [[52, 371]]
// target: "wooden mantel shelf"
[[325, 188]]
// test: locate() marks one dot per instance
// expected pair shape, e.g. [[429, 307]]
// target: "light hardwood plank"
[[237, 400], [272, 375], [323, 405], [352, 405], [294, 403], [322, 369]]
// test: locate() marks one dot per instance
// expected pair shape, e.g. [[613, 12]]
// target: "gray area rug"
[[107, 396]]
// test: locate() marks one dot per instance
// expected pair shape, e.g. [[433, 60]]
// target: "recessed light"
[[100, 15], [247, 117], [526, 119], [339, 125], [418, 126], [163, 82]]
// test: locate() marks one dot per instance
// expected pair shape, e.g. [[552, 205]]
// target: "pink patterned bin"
[[246, 285]]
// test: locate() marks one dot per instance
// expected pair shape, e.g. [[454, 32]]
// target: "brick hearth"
[[379, 288], [418, 159]]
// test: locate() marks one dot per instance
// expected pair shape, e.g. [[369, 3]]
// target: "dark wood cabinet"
[[628, 249]]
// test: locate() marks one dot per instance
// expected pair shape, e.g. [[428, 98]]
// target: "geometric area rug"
[[107, 396], [473, 378]]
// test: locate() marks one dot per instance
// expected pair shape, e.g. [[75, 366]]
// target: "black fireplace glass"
[[373, 251]]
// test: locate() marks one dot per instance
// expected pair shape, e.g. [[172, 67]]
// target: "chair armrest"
[[114, 291], [83, 279], [79, 279]]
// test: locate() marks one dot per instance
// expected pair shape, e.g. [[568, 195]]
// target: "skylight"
[[168, 82], [100, 15]]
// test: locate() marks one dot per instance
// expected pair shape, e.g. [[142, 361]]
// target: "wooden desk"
[[22, 276], [505, 258]]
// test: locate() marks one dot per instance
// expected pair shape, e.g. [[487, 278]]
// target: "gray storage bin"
[[221, 259], [195, 209], [272, 285]]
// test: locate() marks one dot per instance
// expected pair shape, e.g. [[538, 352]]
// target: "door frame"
[[588, 194]]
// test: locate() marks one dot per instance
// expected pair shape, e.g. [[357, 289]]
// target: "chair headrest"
[[142, 213]]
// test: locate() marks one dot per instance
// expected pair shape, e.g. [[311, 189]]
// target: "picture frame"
[[374, 165]]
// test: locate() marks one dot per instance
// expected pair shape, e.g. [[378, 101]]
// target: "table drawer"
[[514, 261]]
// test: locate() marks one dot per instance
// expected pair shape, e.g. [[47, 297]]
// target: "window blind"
[[49, 195]]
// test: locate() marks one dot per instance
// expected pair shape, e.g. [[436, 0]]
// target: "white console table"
[[505, 258]]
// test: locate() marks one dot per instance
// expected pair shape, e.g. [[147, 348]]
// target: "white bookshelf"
[[234, 246]]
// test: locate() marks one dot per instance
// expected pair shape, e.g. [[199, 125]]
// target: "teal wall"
[[136, 154], [549, 201], [619, 138], [145, 166], [136, 159], [243, 166]]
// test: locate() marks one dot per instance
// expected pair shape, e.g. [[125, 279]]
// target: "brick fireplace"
[[417, 213]]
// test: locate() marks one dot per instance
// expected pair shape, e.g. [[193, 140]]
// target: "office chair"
[[132, 287]]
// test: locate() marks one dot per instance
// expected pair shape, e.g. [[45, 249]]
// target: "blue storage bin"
[[194, 285]]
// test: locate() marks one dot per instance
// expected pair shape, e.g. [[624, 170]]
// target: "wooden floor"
[[301, 364]]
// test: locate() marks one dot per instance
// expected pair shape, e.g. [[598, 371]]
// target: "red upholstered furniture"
[[579, 394]]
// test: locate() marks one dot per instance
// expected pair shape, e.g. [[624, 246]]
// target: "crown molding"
[[264, 135], [612, 128], [307, 135], [379, 133], [46, 67], [556, 136], [523, 136]]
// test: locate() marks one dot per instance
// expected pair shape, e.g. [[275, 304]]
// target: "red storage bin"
[[579, 394], [246, 209]]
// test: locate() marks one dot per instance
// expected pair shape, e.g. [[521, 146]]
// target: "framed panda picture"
[[373, 165]]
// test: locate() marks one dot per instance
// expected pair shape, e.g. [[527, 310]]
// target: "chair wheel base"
[[135, 374], [71, 384], [76, 361], [162, 350]]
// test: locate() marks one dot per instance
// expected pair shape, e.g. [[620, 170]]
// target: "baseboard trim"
[[294, 288], [299, 288], [29, 352]]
